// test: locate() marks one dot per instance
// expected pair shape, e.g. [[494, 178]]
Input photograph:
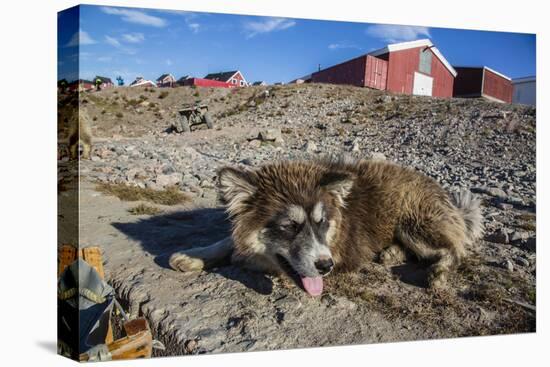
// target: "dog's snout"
[[324, 266]]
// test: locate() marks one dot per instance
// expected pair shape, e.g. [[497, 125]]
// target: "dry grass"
[[475, 303], [169, 196], [527, 217], [143, 209]]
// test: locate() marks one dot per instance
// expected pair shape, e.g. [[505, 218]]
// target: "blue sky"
[[148, 42]]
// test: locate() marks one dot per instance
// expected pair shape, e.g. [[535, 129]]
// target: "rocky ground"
[[486, 147]]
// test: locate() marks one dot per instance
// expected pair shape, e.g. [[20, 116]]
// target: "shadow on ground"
[[412, 273], [163, 235]]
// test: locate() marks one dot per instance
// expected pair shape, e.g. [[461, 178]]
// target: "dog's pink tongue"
[[313, 286]]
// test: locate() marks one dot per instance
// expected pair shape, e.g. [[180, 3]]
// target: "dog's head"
[[288, 213]]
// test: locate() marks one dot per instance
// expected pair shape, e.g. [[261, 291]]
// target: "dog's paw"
[[437, 279], [185, 263], [391, 256]]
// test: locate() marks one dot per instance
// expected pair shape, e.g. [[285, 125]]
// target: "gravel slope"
[[486, 147]]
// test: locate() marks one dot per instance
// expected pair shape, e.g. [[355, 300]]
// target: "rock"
[[505, 206], [270, 135], [310, 147], [346, 304], [500, 236], [496, 192], [255, 143], [355, 146], [383, 99], [190, 346], [530, 244], [168, 169], [507, 264], [132, 173], [168, 180], [522, 261], [288, 303], [207, 184], [519, 236], [377, 156]]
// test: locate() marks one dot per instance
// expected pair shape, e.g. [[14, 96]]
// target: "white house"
[[140, 82], [525, 90]]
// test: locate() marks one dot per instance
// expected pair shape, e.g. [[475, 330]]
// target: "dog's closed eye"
[[287, 225]]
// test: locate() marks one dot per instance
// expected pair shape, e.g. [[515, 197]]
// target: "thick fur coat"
[[307, 218]]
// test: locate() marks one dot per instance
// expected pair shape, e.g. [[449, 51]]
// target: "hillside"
[[486, 147]]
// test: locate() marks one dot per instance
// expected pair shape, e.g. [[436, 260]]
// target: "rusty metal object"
[[192, 115]]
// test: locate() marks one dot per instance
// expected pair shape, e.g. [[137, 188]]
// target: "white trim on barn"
[[497, 73], [414, 44]]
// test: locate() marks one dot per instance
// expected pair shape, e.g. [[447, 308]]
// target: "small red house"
[[481, 81], [235, 78], [415, 67]]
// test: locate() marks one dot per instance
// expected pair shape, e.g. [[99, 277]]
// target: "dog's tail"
[[470, 206]]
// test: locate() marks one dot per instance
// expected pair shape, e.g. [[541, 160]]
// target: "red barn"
[[235, 78], [415, 67], [480, 81]]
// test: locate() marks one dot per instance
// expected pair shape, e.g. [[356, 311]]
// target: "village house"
[[166, 81], [259, 83], [181, 81], [415, 67], [140, 82], [481, 81], [103, 82], [234, 78], [80, 85], [525, 90]]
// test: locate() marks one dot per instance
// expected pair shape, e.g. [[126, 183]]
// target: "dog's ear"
[[338, 184], [236, 187]]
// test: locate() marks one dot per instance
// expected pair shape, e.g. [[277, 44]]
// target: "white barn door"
[[422, 85]]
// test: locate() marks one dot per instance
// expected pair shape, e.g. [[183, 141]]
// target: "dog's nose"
[[324, 266]]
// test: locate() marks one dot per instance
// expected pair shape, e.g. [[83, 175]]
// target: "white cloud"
[[136, 16], [133, 37], [169, 62], [268, 25], [80, 38], [112, 41], [104, 58], [397, 33], [116, 44], [341, 45], [194, 27]]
